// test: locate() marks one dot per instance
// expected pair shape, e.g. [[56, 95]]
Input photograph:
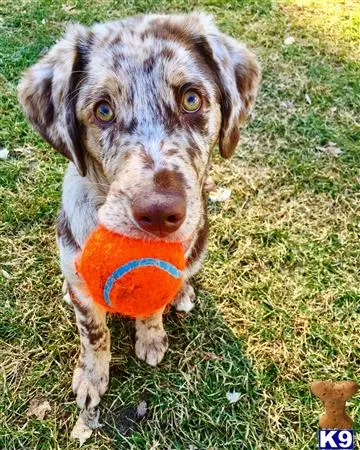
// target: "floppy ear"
[[237, 75], [48, 94], [242, 87]]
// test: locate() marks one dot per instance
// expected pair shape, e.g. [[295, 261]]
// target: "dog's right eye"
[[104, 113]]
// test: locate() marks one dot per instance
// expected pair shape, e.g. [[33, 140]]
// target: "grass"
[[278, 297]]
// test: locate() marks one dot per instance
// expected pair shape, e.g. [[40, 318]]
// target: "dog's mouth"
[[186, 241]]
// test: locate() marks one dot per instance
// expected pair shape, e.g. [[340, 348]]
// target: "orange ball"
[[133, 277]]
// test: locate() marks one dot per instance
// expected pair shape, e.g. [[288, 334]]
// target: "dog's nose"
[[160, 214]]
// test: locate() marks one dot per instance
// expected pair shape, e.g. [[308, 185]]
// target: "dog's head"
[[138, 105]]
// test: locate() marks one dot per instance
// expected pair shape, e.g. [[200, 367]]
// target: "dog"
[[137, 106]]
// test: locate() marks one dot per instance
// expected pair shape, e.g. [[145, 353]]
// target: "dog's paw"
[[185, 300], [89, 385], [151, 345]]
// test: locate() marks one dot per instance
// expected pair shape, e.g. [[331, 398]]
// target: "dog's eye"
[[191, 102], [103, 112]]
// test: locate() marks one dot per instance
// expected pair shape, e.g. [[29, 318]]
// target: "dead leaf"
[[289, 40], [88, 421], [4, 153], [81, 431], [307, 98], [220, 195], [331, 149], [233, 397], [5, 274], [38, 407]]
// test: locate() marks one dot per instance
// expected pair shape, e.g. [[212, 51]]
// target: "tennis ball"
[[133, 277]]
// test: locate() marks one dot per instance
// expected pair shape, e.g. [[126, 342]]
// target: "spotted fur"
[[141, 67]]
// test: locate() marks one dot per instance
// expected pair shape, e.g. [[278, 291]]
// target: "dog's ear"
[[48, 94], [240, 73], [237, 75]]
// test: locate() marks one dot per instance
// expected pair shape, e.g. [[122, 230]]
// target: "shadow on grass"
[[187, 393]]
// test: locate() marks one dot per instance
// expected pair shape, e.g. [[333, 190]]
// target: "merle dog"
[[137, 106]]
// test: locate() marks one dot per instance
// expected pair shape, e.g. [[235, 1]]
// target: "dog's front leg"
[[151, 339], [91, 376]]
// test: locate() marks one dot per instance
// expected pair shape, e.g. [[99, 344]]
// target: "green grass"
[[278, 297]]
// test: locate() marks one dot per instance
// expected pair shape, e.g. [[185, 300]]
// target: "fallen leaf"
[[289, 40], [88, 421], [330, 148], [4, 153], [5, 274], [81, 431], [220, 195], [233, 397], [38, 407], [307, 98]]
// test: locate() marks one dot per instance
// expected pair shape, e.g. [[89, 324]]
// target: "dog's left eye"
[[103, 112], [191, 102]]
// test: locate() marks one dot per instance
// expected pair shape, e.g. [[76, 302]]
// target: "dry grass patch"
[[336, 23]]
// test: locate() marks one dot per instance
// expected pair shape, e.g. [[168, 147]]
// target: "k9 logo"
[[336, 439]]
